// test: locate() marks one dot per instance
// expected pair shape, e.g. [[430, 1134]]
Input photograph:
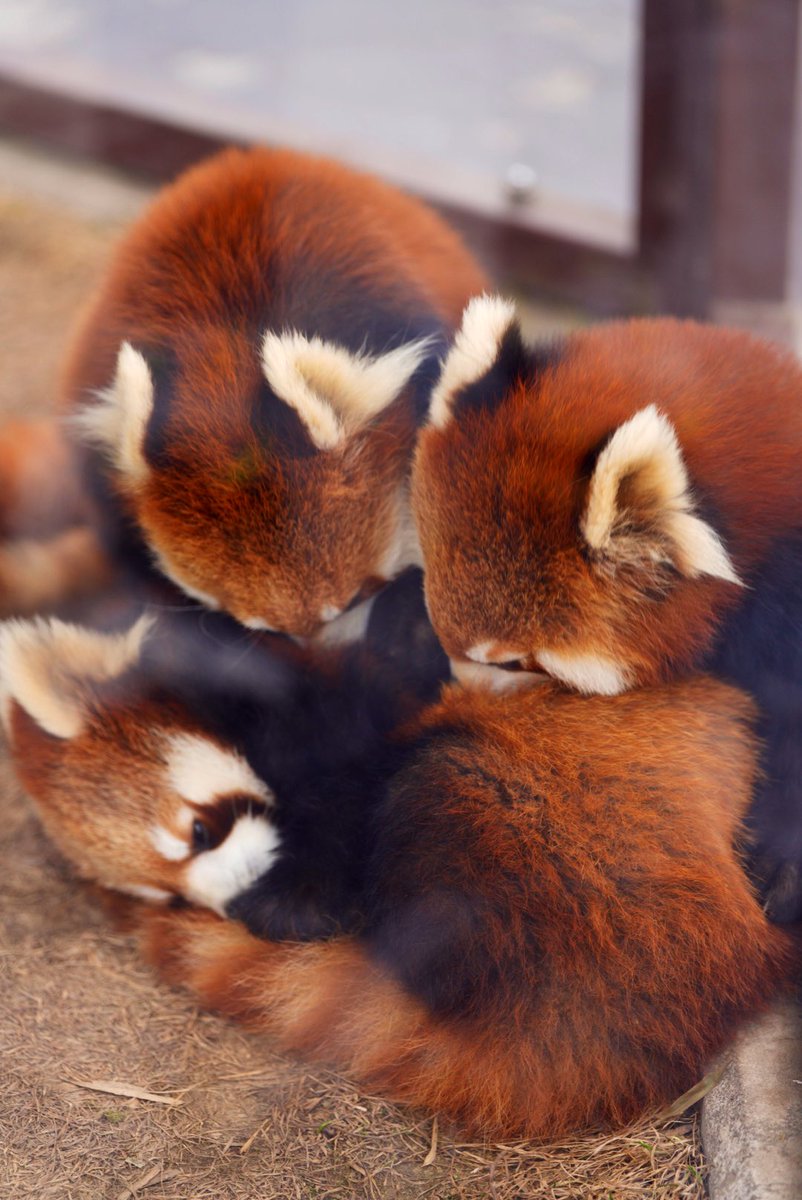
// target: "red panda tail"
[[328, 1002], [500, 1078]]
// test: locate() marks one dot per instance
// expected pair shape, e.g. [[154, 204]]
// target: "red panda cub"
[[620, 508], [247, 381], [549, 927]]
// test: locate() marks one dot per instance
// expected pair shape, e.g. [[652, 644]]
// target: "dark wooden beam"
[[757, 63], [717, 150], [718, 81], [572, 272]]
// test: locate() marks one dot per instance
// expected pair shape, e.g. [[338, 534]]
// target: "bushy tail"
[[329, 1002]]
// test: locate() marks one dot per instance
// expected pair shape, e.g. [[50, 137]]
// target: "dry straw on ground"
[[77, 1008]]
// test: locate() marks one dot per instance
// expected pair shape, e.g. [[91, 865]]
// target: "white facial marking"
[[118, 421], [484, 323], [143, 891], [589, 673], [479, 652], [258, 624], [217, 876], [349, 627], [487, 652], [329, 612], [645, 450], [168, 845], [480, 677], [333, 390], [201, 771], [45, 665]]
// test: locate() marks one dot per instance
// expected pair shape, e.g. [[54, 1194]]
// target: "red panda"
[[245, 385], [620, 508], [48, 554], [551, 927]]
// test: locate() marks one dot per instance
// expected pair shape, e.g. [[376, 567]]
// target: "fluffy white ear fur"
[[484, 323], [46, 665], [334, 391], [645, 451], [117, 421]]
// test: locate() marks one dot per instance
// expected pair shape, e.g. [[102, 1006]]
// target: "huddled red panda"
[[249, 379], [542, 925], [244, 390], [620, 508]]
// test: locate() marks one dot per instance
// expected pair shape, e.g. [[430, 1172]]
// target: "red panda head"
[[270, 482], [136, 797], [558, 528]]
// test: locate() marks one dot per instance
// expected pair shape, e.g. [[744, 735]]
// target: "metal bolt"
[[520, 183]]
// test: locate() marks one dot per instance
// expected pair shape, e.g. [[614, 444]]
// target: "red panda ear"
[[49, 667], [639, 507], [334, 391], [487, 350], [118, 421]]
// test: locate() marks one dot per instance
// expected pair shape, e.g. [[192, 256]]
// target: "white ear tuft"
[[645, 452], [117, 422], [46, 666], [334, 391], [476, 345]]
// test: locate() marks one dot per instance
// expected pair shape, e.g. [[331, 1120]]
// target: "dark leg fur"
[[761, 649]]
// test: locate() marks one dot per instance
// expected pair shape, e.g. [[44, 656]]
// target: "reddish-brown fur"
[[48, 554], [40, 488], [651, 945], [557, 930], [500, 490], [250, 241], [99, 794]]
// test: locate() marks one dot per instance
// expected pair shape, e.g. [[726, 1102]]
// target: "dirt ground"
[[85, 1029]]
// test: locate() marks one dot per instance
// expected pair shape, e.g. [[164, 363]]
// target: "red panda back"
[[252, 228]]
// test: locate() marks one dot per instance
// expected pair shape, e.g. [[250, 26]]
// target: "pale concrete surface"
[[444, 96], [752, 1120]]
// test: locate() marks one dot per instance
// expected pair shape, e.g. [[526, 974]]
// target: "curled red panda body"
[[551, 928], [245, 385], [622, 508]]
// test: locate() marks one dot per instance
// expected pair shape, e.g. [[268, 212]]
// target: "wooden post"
[[719, 139]]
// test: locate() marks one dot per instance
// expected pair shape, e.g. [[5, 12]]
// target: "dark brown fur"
[[554, 928]]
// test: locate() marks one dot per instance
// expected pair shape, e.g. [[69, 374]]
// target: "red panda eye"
[[516, 665], [201, 837]]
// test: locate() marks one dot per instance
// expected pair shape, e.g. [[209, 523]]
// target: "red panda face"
[[557, 528], [173, 812], [279, 496]]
